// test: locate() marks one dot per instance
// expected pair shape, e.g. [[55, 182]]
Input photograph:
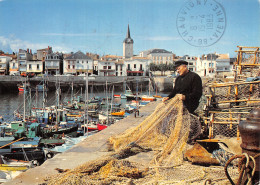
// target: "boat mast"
[[24, 101], [71, 93], [86, 106], [107, 103], [87, 99], [112, 99], [58, 99]]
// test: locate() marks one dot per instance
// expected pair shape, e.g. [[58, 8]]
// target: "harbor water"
[[14, 102]]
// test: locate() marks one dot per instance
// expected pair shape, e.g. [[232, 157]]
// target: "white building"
[[137, 66], [13, 67], [106, 68], [34, 66], [4, 64], [213, 64], [78, 63], [223, 64], [158, 56]]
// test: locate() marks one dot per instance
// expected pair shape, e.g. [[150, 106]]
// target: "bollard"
[[250, 133]]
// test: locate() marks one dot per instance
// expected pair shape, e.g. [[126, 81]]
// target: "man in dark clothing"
[[188, 87]]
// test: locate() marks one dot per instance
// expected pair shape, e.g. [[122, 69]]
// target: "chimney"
[[30, 51], [27, 50]]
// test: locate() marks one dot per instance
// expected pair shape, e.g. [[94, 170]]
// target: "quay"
[[9, 83], [92, 148]]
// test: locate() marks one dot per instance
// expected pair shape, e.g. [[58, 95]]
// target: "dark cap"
[[180, 62]]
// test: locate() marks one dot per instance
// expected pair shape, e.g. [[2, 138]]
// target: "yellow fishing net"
[[164, 134], [166, 131]]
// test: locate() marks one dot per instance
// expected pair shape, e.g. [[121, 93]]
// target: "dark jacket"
[[189, 85]]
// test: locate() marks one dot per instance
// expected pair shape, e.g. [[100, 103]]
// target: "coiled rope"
[[243, 168]]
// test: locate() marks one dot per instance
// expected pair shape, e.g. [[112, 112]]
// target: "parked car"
[[16, 74], [29, 74]]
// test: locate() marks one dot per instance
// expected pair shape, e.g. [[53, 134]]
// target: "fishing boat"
[[27, 87], [101, 126], [13, 167], [117, 96], [89, 127], [118, 113], [129, 95], [148, 98]]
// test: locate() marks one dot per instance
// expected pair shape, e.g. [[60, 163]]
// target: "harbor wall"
[[159, 83], [9, 83]]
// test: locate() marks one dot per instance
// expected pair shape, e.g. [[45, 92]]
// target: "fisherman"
[[188, 87]]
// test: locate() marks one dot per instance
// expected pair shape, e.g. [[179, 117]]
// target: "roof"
[[128, 38], [159, 51], [77, 55], [145, 58]]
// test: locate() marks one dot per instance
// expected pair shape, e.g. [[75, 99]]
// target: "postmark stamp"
[[201, 23]]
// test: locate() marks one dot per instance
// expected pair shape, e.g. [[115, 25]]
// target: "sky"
[[100, 26]]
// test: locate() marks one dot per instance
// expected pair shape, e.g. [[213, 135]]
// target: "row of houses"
[[45, 61]]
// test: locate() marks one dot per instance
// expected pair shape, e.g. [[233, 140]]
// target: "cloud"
[[161, 38], [13, 45], [1, 0]]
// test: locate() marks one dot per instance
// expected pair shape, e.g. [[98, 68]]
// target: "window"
[[141, 67], [134, 65], [104, 67], [109, 67], [128, 67], [38, 66], [30, 66], [73, 67], [68, 66]]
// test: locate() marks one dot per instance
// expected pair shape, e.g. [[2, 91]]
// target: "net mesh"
[[166, 130], [164, 134]]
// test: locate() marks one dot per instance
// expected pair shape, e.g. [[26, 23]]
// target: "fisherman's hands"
[[180, 97], [165, 99]]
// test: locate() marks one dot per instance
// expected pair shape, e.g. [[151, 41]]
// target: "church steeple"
[[128, 38], [128, 32], [128, 45]]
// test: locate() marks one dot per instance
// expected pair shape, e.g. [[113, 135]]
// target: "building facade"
[[213, 64], [4, 64], [137, 67], [78, 63], [54, 64], [22, 58], [13, 67], [41, 53], [35, 66], [158, 56], [106, 68]]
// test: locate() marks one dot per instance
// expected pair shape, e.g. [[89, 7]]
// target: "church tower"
[[128, 45]]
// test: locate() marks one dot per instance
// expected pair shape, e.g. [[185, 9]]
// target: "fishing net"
[[164, 135]]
